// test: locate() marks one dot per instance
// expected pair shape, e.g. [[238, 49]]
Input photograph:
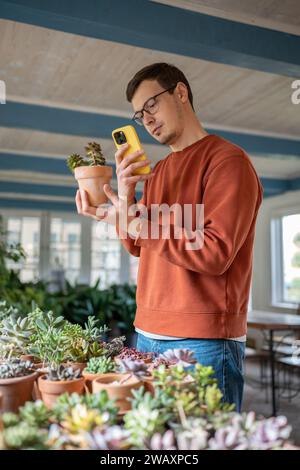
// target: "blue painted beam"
[[79, 123], [40, 164], [272, 187], [164, 28], [6, 203], [42, 189]]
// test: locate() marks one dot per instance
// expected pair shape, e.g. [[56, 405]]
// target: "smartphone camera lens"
[[120, 138]]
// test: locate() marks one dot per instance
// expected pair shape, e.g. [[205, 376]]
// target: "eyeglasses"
[[150, 106]]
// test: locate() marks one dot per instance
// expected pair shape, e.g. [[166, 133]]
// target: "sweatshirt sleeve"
[[231, 197], [127, 241]]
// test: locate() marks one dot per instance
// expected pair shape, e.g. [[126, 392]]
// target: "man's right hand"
[[125, 166]]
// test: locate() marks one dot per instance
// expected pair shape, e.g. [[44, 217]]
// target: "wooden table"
[[271, 322]]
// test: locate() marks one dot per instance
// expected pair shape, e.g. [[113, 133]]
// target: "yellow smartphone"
[[127, 134]]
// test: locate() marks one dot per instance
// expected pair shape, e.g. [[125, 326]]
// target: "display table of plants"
[[64, 386]]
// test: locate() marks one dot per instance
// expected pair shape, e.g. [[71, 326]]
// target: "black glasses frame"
[[139, 119]]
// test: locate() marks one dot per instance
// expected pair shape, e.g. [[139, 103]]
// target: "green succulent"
[[63, 373], [24, 436], [94, 157], [35, 414], [142, 422], [74, 161], [15, 335], [10, 419], [15, 368], [98, 401], [94, 153], [100, 365]]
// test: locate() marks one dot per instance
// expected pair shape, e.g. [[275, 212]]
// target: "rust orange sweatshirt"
[[200, 293]]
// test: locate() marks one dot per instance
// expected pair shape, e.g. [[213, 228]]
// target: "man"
[[188, 298]]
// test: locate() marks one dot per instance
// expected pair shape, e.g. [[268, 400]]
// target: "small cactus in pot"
[[91, 172]]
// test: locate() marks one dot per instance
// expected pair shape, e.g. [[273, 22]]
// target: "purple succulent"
[[112, 438], [183, 357], [137, 368], [164, 441]]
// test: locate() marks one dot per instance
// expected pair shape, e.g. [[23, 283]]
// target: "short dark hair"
[[167, 75]]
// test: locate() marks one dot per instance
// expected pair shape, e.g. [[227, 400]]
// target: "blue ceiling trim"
[[6, 203], [79, 123], [164, 28], [40, 164]]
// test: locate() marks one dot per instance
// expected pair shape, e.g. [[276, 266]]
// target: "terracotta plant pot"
[[118, 392], [76, 365], [88, 379], [15, 392], [50, 390], [92, 180], [148, 383]]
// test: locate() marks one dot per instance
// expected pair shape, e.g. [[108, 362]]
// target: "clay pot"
[[16, 391], [92, 180], [118, 392], [88, 379], [148, 383], [76, 365], [50, 390]]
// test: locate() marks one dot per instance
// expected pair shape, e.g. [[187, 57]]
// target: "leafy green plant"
[[100, 365]]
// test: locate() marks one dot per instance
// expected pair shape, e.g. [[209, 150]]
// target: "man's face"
[[168, 117]]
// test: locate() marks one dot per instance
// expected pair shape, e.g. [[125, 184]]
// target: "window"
[[65, 247], [25, 230], [286, 259], [291, 258], [106, 255]]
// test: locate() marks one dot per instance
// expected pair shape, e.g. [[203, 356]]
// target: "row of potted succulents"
[[172, 418], [94, 394]]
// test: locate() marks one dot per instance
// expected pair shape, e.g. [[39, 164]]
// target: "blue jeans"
[[225, 356]]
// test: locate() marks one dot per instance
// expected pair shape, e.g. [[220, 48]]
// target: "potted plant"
[[97, 367], [15, 336], [91, 173], [58, 381], [134, 355], [16, 383], [119, 386]]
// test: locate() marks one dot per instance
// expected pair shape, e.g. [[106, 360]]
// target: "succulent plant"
[[98, 401], [100, 365], [7, 311], [24, 436], [142, 422], [193, 435], [137, 368], [184, 357], [271, 433], [63, 373], [162, 441], [135, 355], [114, 347], [15, 335], [35, 414], [74, 161], [94, 153], [15, 368], [111, 438], [81, 418], [94, 157]]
